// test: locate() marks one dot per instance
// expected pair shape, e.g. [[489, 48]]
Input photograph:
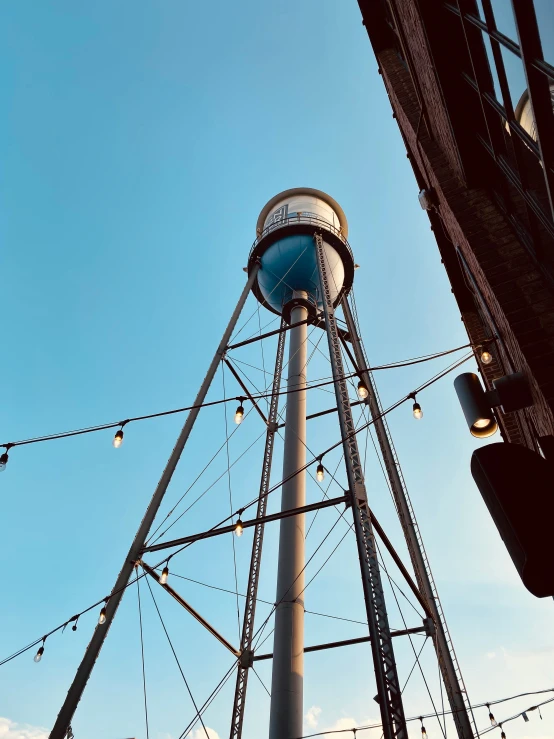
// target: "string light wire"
[[516, 715], [160, 414], [367, 727], [97, 603]]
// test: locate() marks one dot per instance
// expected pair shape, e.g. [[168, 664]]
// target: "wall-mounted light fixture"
[[511, 393]]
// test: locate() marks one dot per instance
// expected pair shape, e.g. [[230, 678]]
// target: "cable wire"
[[231, 499], [266, 602], [177, 660], [414, 666], [411, 642], [265, 301], [208, 701], [143, 665], [195, 501], [187, 491], [262, 682], [262, 627], [263, 356], [442, 697]]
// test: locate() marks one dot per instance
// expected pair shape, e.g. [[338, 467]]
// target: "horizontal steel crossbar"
[[347, 642], [267, 335], [325, 413], [247, 524]]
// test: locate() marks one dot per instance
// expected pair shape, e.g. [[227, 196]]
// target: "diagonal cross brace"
[[246, 390], [182, 602]]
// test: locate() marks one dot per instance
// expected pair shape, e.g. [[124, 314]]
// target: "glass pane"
[[515, 74], [510, 144], [504, 17], [492, 65], [545, 19], [480, 8], [532, 175]]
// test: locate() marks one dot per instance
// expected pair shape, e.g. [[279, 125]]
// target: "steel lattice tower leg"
[[245, 660], [100, 633], [388, 686], [450, 670]]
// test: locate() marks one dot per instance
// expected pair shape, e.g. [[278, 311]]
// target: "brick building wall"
[[510, 296]]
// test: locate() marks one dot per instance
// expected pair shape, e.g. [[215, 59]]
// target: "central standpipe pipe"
[[286, 713]]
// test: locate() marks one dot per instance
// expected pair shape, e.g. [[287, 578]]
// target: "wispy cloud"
[[348, 722], [12, 730], [343, 723], [312, 716], [201, 734], [529, 664]]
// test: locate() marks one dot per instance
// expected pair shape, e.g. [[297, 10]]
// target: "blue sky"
[[139, 143]]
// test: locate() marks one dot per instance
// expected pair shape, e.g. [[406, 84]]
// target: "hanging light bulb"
[[423, 732], [239, 413], [102, 616], [118, 438], [491, 717], [502, 734], [38, 655], [4, 457], [165, 574], [239, 528], [486, 356], [320, 472], [363, 392], [74, 627], [416, 410]]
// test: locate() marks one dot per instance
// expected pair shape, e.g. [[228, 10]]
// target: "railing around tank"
[[310, 219]]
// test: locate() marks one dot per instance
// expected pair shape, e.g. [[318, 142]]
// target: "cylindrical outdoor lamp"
[[475, 405]]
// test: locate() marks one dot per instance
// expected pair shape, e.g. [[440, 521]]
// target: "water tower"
[[302, 269]]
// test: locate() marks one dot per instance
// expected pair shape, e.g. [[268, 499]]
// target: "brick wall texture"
[[516, 293]]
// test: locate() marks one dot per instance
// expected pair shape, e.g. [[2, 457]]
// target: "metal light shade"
[[476, 408]]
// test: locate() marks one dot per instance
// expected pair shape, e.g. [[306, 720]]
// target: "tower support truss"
[[450, 670], [100, 633], [286, 713], [388, 686], [245, 660]]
